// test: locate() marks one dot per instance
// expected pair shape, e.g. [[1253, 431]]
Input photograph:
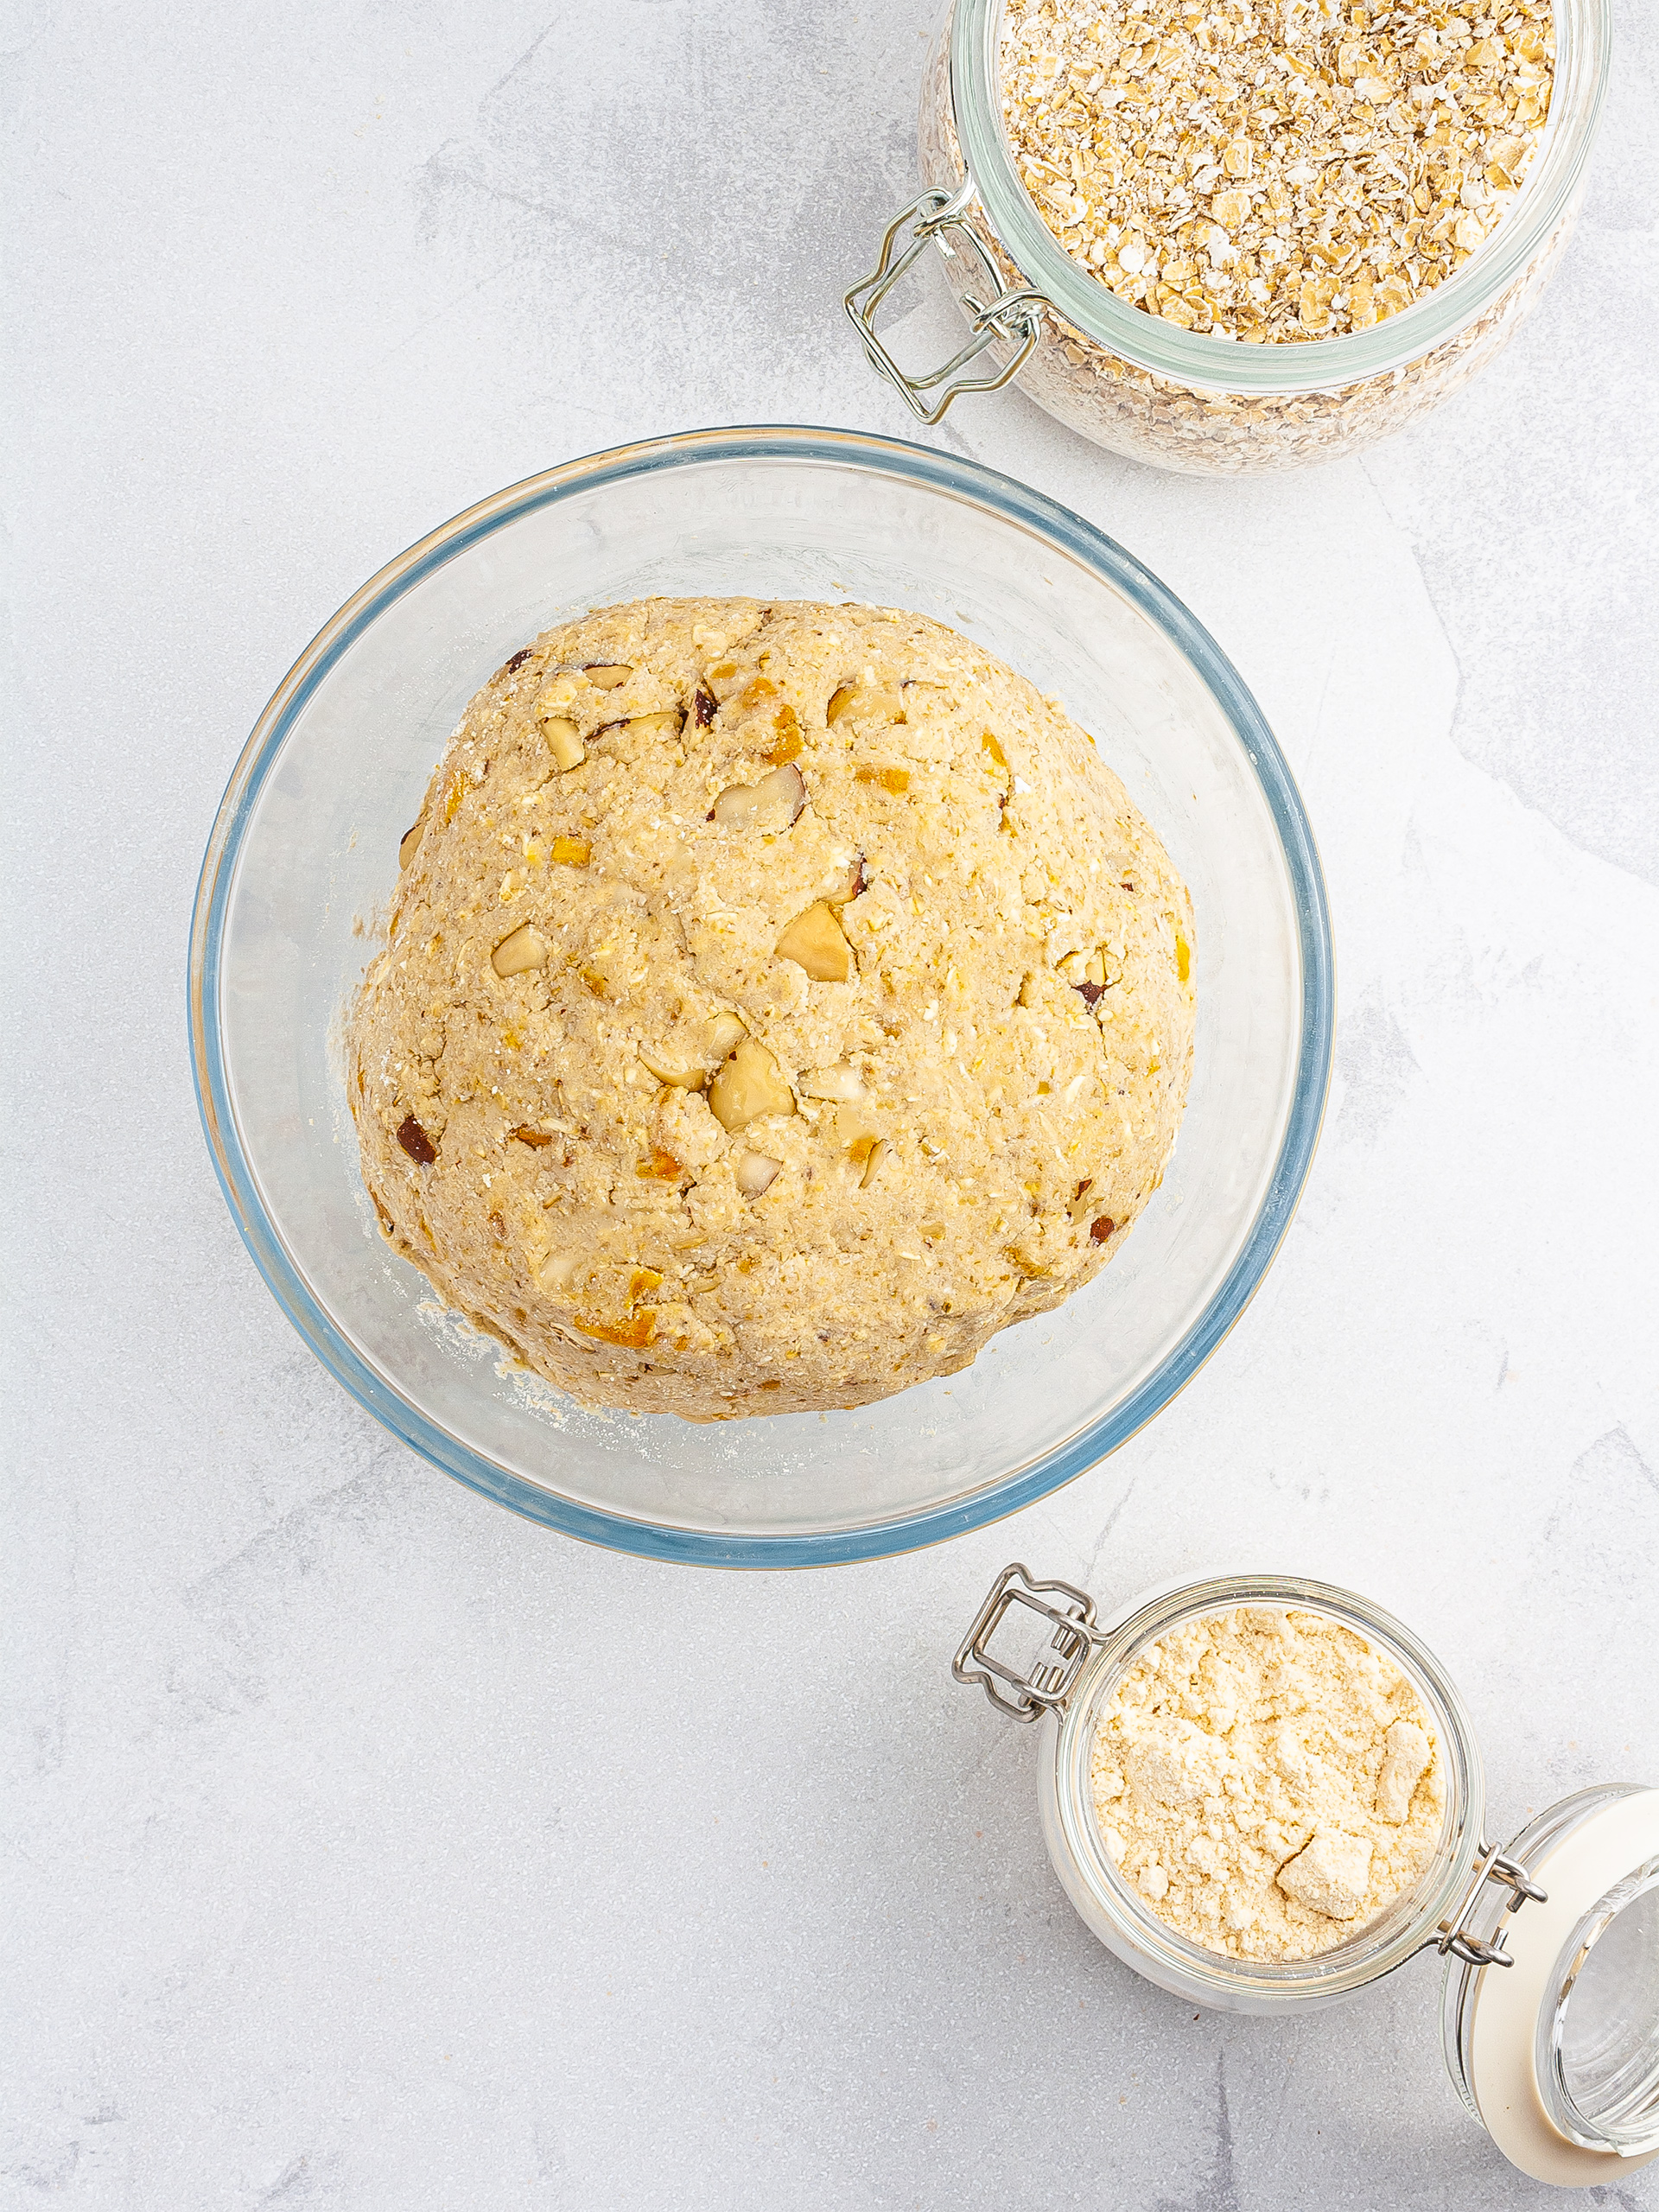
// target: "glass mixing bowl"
[[304, 854]]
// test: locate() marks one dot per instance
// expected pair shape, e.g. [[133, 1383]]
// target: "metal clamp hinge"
[[1490, 1866], [1045, 1683], [1015, 316]]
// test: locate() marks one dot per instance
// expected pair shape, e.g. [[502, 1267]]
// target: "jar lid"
[[1557, 2054]]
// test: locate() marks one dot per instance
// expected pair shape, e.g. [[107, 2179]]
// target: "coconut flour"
[[1267, 1782]]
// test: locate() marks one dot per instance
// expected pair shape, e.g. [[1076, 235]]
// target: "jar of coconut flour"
[[1247, 235], [1263, 1793]]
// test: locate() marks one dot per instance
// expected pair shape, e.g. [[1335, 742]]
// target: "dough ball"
[[778, 1000]]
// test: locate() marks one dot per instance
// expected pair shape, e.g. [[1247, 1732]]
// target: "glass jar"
[[1559, 2058], [1172, 397], [1551, 2013]]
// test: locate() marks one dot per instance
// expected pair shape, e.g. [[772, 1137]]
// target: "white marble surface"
[[360, 1854]]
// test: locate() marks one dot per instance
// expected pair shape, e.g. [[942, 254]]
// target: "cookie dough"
[[778, 1000]]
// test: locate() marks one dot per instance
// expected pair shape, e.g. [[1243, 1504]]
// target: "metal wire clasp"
[[1045, 1684], [1007, 315], [1490, 1866]]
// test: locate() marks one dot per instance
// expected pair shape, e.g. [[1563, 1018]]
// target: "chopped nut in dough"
[[563, 741], [668, 1067], [748, 1088], [726, 1031], [841, 1082], [754, 1173], [773, 803], [664, 723], [863, 702], [520, 952], [817, 942]]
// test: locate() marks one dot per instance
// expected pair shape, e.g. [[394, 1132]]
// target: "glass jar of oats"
[[1247, 235], [1263, 1793]]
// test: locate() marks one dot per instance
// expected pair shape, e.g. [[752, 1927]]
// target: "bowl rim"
[[877, 1539]]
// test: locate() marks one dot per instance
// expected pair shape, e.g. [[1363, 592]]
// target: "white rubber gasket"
[[1507, 2001]]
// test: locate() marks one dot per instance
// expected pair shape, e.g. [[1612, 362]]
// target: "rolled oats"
[[1275, 169], [1196, 422]]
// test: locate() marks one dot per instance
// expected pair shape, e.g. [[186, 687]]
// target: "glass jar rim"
[[1633, 2125], [1403, 1928], [1209, 365]]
